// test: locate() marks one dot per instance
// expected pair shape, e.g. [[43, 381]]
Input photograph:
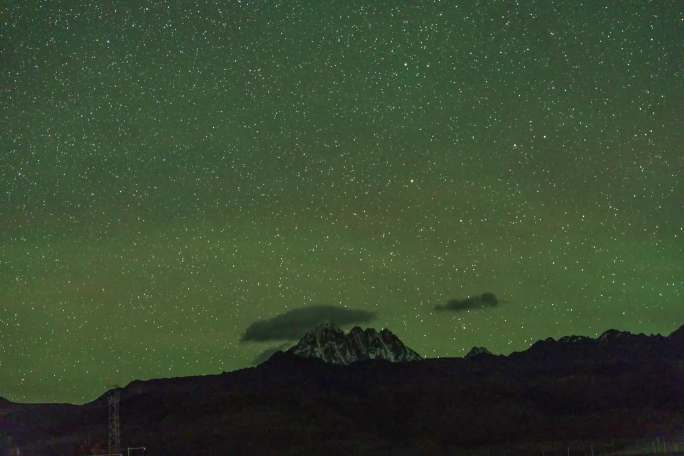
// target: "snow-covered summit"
[[330, 344]]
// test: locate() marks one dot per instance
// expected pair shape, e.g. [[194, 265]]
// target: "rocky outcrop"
[[477, 352], [329, 343]]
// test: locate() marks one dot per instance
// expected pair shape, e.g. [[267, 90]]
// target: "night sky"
[[174, 172]]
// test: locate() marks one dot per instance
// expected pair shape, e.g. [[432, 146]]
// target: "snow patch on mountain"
[[330, 344]]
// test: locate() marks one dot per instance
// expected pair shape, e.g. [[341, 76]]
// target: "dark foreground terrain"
[[576, 392]]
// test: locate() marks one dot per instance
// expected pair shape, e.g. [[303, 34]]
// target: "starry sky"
[[173, 172]]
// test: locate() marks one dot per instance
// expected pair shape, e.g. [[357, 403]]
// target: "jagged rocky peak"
[[330, 344], [326, 328], [477, 352], [615, 335]]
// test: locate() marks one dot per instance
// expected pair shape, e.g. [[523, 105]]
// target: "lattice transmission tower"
[[114, 426]]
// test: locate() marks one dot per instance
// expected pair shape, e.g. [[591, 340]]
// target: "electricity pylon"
[[114, 428]]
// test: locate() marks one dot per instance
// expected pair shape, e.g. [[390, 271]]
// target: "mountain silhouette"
[[603, 392]]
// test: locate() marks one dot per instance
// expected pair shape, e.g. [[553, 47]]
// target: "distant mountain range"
[[365, 392]]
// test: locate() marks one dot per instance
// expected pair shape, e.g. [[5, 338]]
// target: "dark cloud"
[[264, 355], [292, 324], [482, 301]]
